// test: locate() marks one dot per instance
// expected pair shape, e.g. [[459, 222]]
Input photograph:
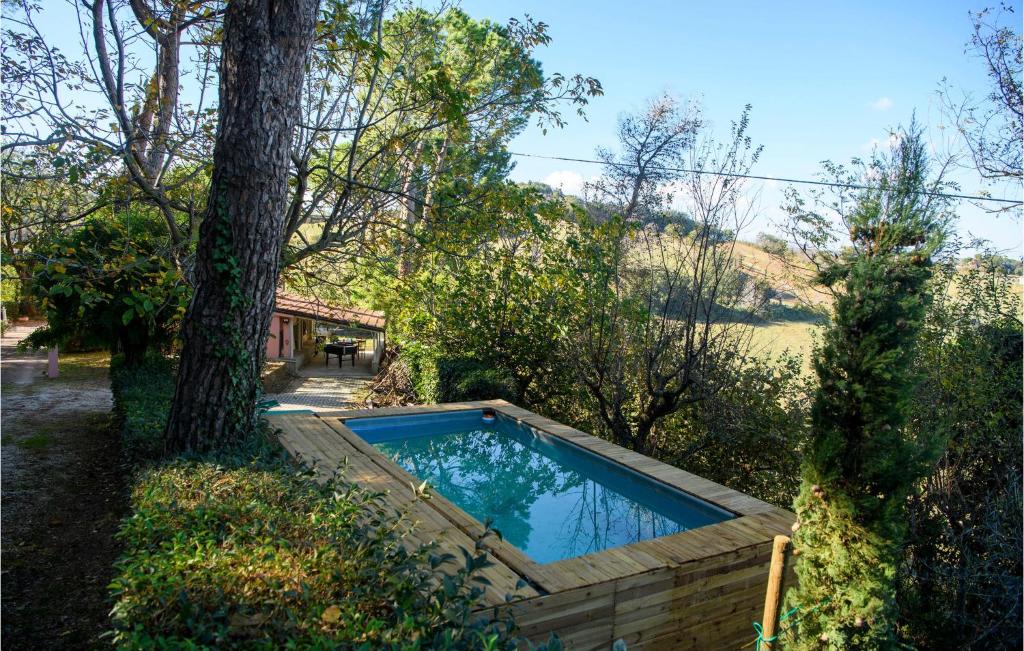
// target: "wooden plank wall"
[[709, 603]]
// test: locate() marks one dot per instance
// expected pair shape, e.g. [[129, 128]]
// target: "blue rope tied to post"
[[760, 636], [792, 611], [760, 629]]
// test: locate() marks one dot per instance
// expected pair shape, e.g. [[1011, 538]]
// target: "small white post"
[[51, 367]]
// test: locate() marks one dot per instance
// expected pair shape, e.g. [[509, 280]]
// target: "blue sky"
[[825, 79]]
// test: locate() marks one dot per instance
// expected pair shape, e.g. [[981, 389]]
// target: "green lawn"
[[776, 337]]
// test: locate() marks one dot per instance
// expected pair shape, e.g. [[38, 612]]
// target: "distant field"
[[797, 336], [777, 337], [792, 278]]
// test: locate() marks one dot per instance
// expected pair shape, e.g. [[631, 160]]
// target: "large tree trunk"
[[224, 333]]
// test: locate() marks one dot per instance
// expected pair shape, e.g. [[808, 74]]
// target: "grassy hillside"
[[796, 314], [801, 311]]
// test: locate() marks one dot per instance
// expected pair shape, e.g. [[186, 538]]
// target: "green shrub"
[[107, 282], [453, 379], [861, 463], [241, 551], [961, 575], [142, 397], [462, 379], [422, 364], [749, 434]]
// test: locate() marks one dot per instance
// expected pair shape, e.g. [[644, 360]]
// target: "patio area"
[[317, 366], [330, 386]]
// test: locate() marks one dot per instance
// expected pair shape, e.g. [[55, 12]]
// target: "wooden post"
[[773, 596], [52, 370]]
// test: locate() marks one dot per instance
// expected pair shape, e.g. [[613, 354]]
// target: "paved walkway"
[[20, 367], [307, 392]]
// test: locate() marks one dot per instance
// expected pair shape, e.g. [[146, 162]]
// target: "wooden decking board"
[[299, 443], [694, 589], [381, 412], [503, 579]]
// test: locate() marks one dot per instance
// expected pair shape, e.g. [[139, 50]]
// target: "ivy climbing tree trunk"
[[266, 44]]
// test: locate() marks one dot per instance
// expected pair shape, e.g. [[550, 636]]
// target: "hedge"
[[455, 379], [142, 399]]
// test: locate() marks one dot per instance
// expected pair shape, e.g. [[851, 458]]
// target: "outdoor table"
[[340, 348]]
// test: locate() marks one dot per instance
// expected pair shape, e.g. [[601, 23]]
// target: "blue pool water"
[[546, 496]]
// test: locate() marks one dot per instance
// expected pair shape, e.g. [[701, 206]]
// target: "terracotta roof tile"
[[312, 308]]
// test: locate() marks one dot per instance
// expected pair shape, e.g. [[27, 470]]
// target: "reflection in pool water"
[[546, 497]]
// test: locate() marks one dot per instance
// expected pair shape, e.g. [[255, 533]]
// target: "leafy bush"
[[10, 288], [239, 550], [107, 283], [453, 379], [961, 577], [462, 379], [422, 364], [499, 306], [142, 397], [748, 435]]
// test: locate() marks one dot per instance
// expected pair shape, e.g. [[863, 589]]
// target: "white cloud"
[[567, 181], [882, 104]]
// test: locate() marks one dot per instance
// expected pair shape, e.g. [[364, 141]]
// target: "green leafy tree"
[[501, 304], [107, 283], [961, 581], [39, 202], [772, 244], [750, 434], [131, 103], [404, 125], [862, 462], [658, 306]]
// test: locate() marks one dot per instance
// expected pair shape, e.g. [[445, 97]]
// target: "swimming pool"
[[548, 497]]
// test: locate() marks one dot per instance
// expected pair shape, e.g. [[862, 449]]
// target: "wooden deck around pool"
[[697, 589]]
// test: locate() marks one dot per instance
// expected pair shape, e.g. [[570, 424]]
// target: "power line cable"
[[852, 186]]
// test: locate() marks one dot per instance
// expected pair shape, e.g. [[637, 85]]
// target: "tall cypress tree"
[[860, 465]]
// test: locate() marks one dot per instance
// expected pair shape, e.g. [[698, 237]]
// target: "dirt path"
[[63, 494]]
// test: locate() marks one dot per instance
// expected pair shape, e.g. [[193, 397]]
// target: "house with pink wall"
[[300, 325]]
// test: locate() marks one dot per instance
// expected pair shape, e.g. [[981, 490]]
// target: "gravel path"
[[63, 495], [16, 367]]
